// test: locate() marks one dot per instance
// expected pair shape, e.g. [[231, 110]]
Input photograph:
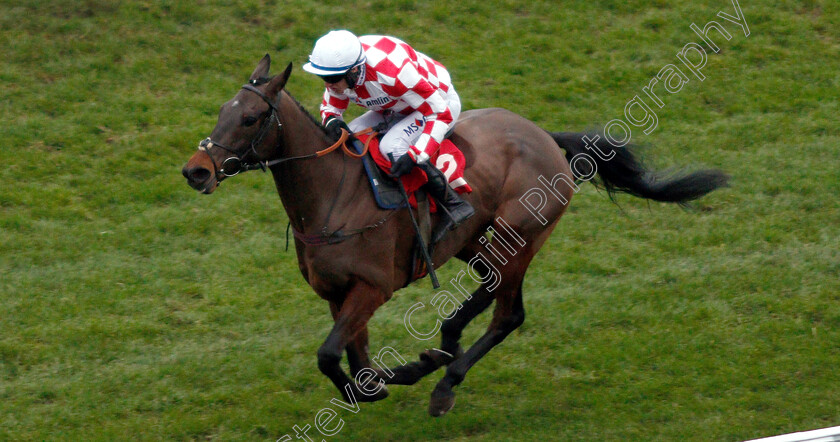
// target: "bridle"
[[235, 164]]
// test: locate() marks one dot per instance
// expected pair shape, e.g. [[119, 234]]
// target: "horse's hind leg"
[[450, 348], [507, 317], [451, 329]]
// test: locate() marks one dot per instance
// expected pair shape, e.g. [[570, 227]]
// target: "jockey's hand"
[[333, 125], [402, 166]]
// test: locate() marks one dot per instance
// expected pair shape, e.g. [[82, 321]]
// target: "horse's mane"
[[317, 123], [303, 109]]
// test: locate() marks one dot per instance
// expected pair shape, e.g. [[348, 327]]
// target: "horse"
[[355, 255]]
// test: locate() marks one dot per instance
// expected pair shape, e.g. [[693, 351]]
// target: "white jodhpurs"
[[402, 131]]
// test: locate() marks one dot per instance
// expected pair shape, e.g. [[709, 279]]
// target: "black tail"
[[622, 172]]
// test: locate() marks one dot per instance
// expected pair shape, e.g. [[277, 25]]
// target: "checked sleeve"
[[416, 91], [333, 105]]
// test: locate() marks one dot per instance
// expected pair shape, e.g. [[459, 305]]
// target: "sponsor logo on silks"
[[415, 127], [378, 101]]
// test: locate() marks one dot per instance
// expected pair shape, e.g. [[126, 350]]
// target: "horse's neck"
[[309, 189]]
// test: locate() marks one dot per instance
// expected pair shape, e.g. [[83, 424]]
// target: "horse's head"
[[245, 135]]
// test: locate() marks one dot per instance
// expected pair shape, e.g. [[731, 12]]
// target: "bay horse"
[[355, 255]]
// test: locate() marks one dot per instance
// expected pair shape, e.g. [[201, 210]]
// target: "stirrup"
[[449, 223]]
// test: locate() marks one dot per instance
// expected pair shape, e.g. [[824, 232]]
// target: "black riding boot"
[[457, 209]]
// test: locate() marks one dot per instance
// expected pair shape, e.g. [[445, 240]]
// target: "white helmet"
[[335, 53]]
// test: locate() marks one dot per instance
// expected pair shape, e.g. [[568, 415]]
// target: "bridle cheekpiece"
[[235, 164]]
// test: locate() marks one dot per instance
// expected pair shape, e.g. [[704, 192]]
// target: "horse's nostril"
[[196, 174]]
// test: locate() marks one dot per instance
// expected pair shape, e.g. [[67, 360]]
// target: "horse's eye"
[[249, 121]]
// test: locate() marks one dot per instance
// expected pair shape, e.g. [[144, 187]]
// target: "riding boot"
[[456, 208]]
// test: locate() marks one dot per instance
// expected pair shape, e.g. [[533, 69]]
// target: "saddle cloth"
[[448, 159]]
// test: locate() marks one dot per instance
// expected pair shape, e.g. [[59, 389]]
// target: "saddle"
[[385, 190], [388, 195], [448, 159]]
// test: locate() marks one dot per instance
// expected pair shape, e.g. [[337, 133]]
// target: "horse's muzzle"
[[199, 178]]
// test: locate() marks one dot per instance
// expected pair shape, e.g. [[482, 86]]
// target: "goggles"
[[332, 79]]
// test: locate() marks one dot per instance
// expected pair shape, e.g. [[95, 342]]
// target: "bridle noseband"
[[235, 163]]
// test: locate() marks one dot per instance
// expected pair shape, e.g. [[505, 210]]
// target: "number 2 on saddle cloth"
[[448, 159]]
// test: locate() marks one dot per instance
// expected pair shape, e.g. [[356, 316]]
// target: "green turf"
[[133, 308]]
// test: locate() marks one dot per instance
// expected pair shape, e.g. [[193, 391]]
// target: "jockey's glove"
[[333, 125], [402, 166]]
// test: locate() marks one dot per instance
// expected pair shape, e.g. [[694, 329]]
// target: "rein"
[[324, 237], [342, 142]]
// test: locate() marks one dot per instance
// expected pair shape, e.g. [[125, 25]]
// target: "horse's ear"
[[262, 68], [279, 81]]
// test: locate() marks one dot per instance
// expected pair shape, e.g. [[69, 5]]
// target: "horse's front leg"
[[350, 333], [358, 355]]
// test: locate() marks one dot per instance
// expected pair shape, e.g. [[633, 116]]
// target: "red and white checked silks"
[[399, 79]]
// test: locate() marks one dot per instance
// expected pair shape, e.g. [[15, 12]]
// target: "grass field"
[[133, 308]]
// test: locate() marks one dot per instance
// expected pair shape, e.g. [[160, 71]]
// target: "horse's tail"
[[620, 171]]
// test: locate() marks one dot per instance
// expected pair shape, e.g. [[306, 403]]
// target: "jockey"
[[405, 91]]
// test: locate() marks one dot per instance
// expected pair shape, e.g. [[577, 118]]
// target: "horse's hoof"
[[441, 402], [382, 393]]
